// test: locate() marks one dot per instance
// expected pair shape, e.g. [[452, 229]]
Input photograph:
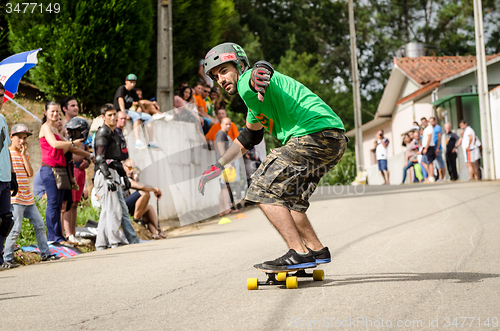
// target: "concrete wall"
[[176, 169]]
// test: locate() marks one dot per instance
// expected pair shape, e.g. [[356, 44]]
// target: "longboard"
[[282, 277]]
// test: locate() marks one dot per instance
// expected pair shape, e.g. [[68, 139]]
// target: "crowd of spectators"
[[425, 144], [69, 149]]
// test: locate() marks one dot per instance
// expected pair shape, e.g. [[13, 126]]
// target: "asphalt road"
[[414, 257]]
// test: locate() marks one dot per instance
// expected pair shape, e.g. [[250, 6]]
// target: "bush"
[[88, 47], [343, 173]]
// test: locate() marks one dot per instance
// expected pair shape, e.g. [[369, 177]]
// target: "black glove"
[[13, 184], [111, 184], [126, 183], [212, 172], [261, 76]]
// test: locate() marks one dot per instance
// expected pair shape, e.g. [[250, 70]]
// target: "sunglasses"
[[130, 168]]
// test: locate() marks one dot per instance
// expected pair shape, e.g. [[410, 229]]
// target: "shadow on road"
[[456, 277], [348, 192]]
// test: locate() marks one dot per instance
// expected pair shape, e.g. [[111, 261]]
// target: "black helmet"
[[78, 128], [227, 52]]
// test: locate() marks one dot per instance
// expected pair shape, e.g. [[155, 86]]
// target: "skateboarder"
[[313, 139]]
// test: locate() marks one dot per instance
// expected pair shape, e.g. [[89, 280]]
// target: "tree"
[[88, 47], [197, 25], [4, 50]]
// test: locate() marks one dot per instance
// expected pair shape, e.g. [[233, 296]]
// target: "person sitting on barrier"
[[138, 202], [125, 97], [150, 106]]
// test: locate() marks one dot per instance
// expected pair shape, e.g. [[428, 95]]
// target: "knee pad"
[[6, 224]]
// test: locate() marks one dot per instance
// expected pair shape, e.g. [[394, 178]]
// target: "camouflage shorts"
[[290, 174]]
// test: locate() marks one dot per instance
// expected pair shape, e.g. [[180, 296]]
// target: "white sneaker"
[[158, 116], [72, 239], [169, 117], [83, 241], [139, 144], [78, 240]]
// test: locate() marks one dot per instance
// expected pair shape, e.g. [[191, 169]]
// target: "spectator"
[[150, 106], [216, 99], [120, 125], [202, 76], [428, 149], [438, 162], [479, 154], [184, 98], [222, 142], [68, 156], [381, 154], [180, 87], [81, 162], [233, 131], [138, 202], [125, 97], [202, 106], [185, 110], [452, 141], [411, 156], [23, 204], [185, 106], [469, 146], [53, 147], [415, 126], [8, 182], [127, 227], [417, 168], [420, 157], [208, 101], [108, 169], [251, 164]]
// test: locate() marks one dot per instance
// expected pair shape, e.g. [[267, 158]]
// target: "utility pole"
[[165, 78], [360, 163], [484, 101]]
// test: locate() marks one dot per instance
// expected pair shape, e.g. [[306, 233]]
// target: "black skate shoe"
[[322, 256], [291, 260]]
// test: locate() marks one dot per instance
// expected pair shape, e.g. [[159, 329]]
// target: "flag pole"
[[36, 118]]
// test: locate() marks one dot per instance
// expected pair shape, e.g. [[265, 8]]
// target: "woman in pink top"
[[53, 148]]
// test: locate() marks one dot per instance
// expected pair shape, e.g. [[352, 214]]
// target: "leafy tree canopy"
[[88, 47]]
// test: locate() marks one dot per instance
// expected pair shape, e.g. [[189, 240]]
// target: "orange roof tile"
[[429, 69]]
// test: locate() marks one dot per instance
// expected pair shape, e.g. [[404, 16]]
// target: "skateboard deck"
[[283, 277]]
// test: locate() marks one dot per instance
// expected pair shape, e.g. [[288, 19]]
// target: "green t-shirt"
[[289, 109]]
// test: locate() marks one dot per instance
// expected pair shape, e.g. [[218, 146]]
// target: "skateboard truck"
[[283, 278]]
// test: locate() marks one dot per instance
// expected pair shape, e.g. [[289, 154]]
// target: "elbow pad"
[[249, 138], [101, 164]]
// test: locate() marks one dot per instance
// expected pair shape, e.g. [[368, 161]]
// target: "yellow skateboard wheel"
[[291, 282], [252, 283], [281, 276], [318, 275]]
